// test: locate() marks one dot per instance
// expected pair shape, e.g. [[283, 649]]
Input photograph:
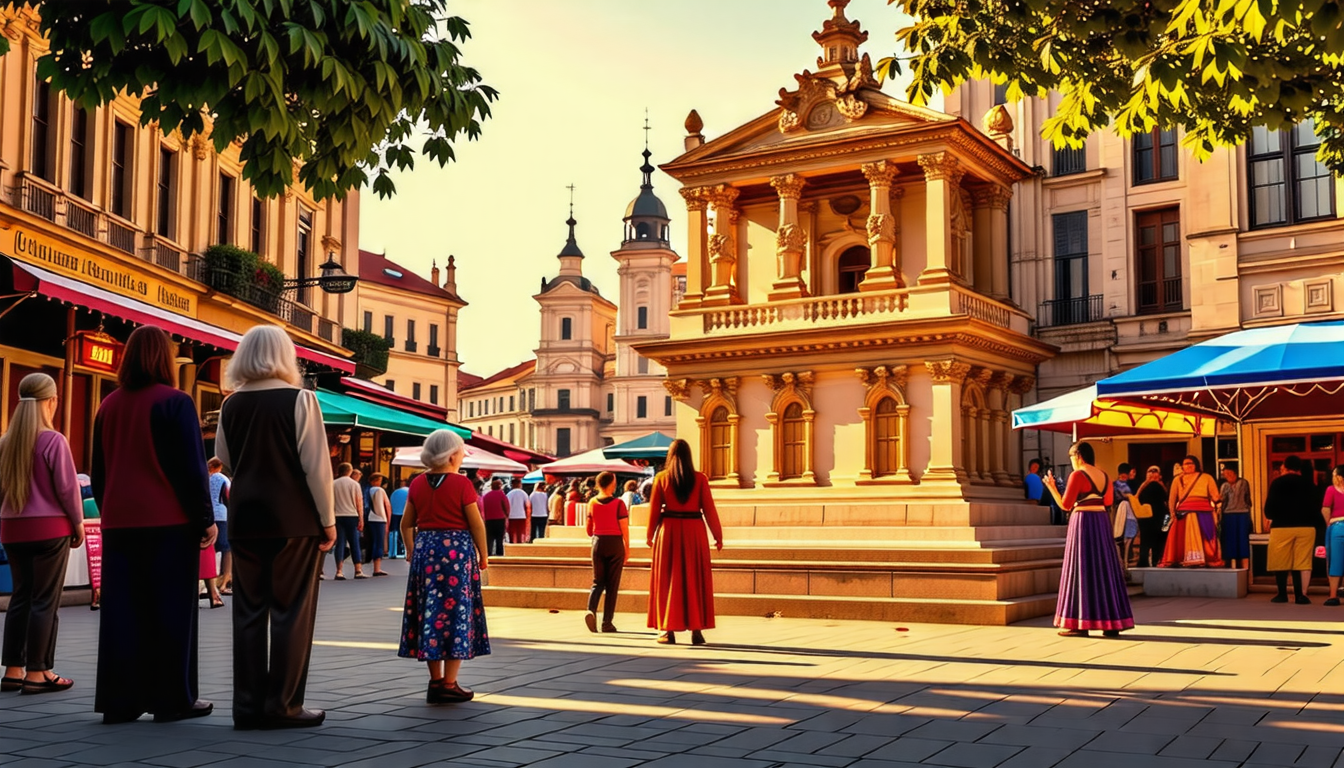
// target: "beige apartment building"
[[500, 405], [102, 227], [1128, 250], [419, 318]]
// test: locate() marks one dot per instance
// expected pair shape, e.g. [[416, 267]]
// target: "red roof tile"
[[380, 270], [527, 366]]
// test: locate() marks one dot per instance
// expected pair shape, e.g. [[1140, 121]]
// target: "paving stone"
[[1036, 757], [975, 755], [908, 750], [1136, 743], [1198, 747]]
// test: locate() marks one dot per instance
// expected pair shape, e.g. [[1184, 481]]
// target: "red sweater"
[[605, 516]]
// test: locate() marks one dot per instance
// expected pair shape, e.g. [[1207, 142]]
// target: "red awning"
[[374, 392], [37, 280], [508, 450]]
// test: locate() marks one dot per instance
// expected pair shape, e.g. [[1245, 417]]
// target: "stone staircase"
[[967, 563]]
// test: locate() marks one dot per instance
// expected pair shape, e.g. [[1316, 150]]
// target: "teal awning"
[[652, 447], [346, 411]]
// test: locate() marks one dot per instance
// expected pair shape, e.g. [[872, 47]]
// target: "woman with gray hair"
[[41, 520], [281, 520], [444, 620]]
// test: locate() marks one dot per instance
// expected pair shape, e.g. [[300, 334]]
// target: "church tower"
[[578, 327], [645, 258]]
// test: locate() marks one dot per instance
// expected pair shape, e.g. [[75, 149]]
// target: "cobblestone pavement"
[[1200, 683]]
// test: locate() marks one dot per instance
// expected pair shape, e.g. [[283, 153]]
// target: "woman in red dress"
[[681, 584]]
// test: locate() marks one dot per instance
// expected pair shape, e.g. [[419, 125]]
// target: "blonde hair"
[[265, 352], [17, 446], [440, 448]]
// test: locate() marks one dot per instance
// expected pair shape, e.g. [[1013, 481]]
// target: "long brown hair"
[[20, 439], [680, 469], [147, 359]]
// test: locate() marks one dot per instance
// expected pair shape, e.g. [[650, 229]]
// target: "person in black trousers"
[[1152, 540], [281, 520], [151, 485], [609, 525]]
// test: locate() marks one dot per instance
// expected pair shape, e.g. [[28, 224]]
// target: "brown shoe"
[[442, 692], [667, 638], [590, 619]]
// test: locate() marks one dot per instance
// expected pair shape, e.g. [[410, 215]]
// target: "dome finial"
[[570, 255]]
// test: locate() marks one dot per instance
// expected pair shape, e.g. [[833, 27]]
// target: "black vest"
[[270, 497]]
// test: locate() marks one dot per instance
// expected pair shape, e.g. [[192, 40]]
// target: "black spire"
[[571, 245]]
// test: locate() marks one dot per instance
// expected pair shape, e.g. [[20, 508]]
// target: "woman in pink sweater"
[[41, 520]]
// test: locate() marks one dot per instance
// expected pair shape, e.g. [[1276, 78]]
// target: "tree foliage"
[[1216, 68], [342, 87]]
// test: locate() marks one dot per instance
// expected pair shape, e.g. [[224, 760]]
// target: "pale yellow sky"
[[575, 77]]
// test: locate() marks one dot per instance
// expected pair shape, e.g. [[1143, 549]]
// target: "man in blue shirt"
[[397, 547], [1034, 485]]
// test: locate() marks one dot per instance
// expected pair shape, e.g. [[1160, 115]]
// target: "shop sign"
[[94, 349], [99, 271], [93, 547]]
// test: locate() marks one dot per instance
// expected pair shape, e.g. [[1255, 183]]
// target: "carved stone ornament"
[[852, 107], [790, 383], [695, 198], [722, 247], [880, 173], [895, 376], [881, 228], [812, 90], [679, 389], [725, 388], [994, 196], [947, 371], [1004, 381], [789, 121], [790, 237], [997, 121], [722, 195], [941, 165], [981, 376], [200, 147], [789, 185], [1023, 384]]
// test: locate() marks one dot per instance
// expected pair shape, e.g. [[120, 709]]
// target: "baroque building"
[[418, 317], [1127, 250], [847, 330]]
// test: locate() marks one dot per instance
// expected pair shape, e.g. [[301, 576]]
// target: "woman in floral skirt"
[[444, 620]]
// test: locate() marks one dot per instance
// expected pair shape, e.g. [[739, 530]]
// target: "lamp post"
[[332, 278]]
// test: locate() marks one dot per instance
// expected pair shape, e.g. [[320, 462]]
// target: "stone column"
[[722, 247], [945, 454], [807, 214], [1020, 386], [942, 185], [790, 239], [991, 240], [697, 248], [884, 273], [1000, 434]]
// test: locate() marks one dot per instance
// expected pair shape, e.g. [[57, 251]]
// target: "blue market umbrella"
[[651, 447], [1283, 371]]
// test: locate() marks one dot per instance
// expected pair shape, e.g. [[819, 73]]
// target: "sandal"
[[340, 577], [48, 685], [226, 592], [216, 603], [10, 684], [381, 573], [361, 576]]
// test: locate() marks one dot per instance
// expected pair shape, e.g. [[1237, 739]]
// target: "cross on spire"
[[646, 127], [571, 199]]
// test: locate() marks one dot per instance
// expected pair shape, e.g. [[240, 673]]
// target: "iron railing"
[[1164, 295], [37, 199], [166, 255], [326, 330], [1056, 312], [120, 236], [81, 218]]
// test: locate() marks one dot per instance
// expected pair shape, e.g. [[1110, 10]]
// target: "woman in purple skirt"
[[1092, 591]]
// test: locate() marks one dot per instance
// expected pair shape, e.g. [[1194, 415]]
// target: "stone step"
[[874, 534], [876, 512], [963, 581], [849, 552], [906, 609]]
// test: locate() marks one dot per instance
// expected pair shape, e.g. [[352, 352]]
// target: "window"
[[562, 441], [642, 318], [611, 402], [1288, 184], [720, 443], [1067, 160], [410, 336], [258, 239], [532, 436], [642, 365], [368, 322], [792, 434], [1158, 234], [1070, 266], [490, 430], [42, 160], [226, 210], [667, 405], [532, 399], [641, 407], [391, 385], [387, 328], [471, 410], [511, 408], [886, 438], [1000, 94], [433, 340], [852, 266], [121, 160], [415, 391], [512, 438], [164, 197], [433, 394], [303, 251], [1154, 156], [566, 328], [562, 399], [79, 153]]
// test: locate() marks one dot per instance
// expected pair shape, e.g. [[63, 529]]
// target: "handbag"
[[1121, 516], [1141, 511]]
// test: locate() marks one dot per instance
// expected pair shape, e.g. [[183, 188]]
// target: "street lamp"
[[332, 278]]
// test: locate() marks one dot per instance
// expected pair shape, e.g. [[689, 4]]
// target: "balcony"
[[370, 352], [411, 345], [244, 276], [433, 351], [120, 236], [81, 218], [1073, 311], [37, 198]]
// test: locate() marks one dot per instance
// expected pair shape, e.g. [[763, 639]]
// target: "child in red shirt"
[[609, 525]]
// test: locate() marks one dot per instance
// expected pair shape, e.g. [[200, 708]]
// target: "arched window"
[[642, 230], [851, 267], [720, 444], [794, 442], [886, 438]]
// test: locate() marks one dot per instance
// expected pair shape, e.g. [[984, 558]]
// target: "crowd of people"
[[1195, 523], [254, 523]]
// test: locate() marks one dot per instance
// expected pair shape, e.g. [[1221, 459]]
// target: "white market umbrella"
[[475, 458]]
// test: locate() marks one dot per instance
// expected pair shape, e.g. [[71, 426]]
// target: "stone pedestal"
[[1193, 582]]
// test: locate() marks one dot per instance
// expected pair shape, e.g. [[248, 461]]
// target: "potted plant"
[[370, 351]]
